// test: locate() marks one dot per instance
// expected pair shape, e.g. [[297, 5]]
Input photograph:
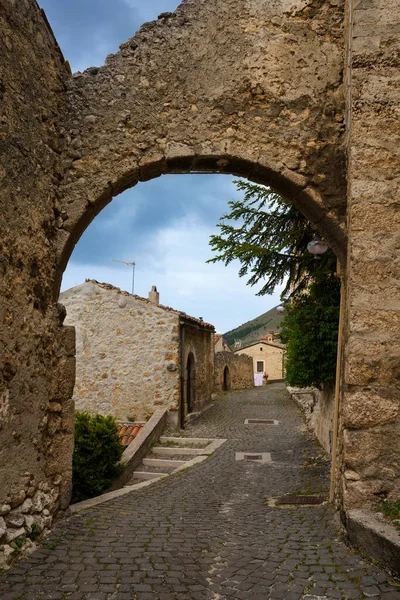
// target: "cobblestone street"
[[210, 532]]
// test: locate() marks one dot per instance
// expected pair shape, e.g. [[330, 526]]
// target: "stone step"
[[174, 451], [187, 442], [162, 462], [152, 469], [146, 475]]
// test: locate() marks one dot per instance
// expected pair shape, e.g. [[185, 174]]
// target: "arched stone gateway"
[[257, 88]]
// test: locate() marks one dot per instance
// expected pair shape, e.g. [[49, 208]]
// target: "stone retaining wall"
[[240, 371], [318, 409]]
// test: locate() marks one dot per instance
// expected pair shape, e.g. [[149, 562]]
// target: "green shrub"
[[310, 330], [391, 510], [96, 454]]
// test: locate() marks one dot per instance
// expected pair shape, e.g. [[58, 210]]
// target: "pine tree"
[[269, 237]]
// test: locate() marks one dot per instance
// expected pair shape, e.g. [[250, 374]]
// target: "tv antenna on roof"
[[130, 264]]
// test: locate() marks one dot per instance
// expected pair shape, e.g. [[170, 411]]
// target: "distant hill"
[[253, 330]]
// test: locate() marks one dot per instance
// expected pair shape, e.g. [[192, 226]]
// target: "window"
[[260, 366], [261, 348]]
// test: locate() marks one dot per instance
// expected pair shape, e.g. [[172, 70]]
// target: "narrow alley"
[[211, 532]]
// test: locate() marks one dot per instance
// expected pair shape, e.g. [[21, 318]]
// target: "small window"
[[261, 348], [260, 366]]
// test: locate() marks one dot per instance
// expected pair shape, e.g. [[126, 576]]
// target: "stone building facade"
[[131, 352], [233, 372], [309, 109], [268, 357]]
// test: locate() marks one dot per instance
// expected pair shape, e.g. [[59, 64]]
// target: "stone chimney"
[[154, 296]]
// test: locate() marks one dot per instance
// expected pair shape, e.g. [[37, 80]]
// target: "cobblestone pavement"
[[208, 532]]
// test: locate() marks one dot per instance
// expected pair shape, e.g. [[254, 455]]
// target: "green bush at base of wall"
[[96, 454]]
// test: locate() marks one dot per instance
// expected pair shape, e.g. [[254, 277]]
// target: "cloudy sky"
[[162, 225]]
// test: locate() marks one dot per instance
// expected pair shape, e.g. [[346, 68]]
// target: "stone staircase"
[[172, 454]]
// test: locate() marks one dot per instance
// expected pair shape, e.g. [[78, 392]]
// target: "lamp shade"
[[280, 309], [317, 246]]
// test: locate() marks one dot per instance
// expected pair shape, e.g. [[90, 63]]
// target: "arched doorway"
[[226, 384], [190, 382]]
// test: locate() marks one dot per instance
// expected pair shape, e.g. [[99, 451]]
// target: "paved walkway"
[[208, 533]]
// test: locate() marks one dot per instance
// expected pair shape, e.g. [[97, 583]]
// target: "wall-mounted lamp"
[[317, 247], [280, 309]]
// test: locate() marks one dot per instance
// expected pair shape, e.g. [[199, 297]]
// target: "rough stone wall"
[[36, 354], [240, 371], [370, 406], [177, 99], [318, 409], [200, 342], [127, 353], [272, 357]]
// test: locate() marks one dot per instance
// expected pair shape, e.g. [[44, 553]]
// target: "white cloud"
[[177, 267]]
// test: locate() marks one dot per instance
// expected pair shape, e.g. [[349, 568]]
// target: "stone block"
[[65, 491], [364, 447], [367, 370], [365, 409], [59, 455], [13, 534], [64, 380], [3, 527], [385, 219], [68, 340], [15, 520], [373, 536]]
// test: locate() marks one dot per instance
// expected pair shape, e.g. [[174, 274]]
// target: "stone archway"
[[290, 185], [226, 383], [275, 116], [248, 87]]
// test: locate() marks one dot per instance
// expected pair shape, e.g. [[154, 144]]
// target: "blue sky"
[[164, 224]]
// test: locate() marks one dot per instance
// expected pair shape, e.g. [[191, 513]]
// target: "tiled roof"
[[257, 343], [128, 431], [217, 337], [182, 315]]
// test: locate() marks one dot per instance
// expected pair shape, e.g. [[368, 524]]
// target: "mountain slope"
[[255, 329]]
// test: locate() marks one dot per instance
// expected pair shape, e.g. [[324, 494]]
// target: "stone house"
[[268, 357], [220, 344], [134, 356]]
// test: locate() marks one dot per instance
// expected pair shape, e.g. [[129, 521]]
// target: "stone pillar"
[[370, 407]]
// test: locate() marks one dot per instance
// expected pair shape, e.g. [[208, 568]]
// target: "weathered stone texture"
[[240, 371], [127, 353], [199, 343], [371, 401], [318, 410], [249, 87], [33, 105], [271, 355]]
